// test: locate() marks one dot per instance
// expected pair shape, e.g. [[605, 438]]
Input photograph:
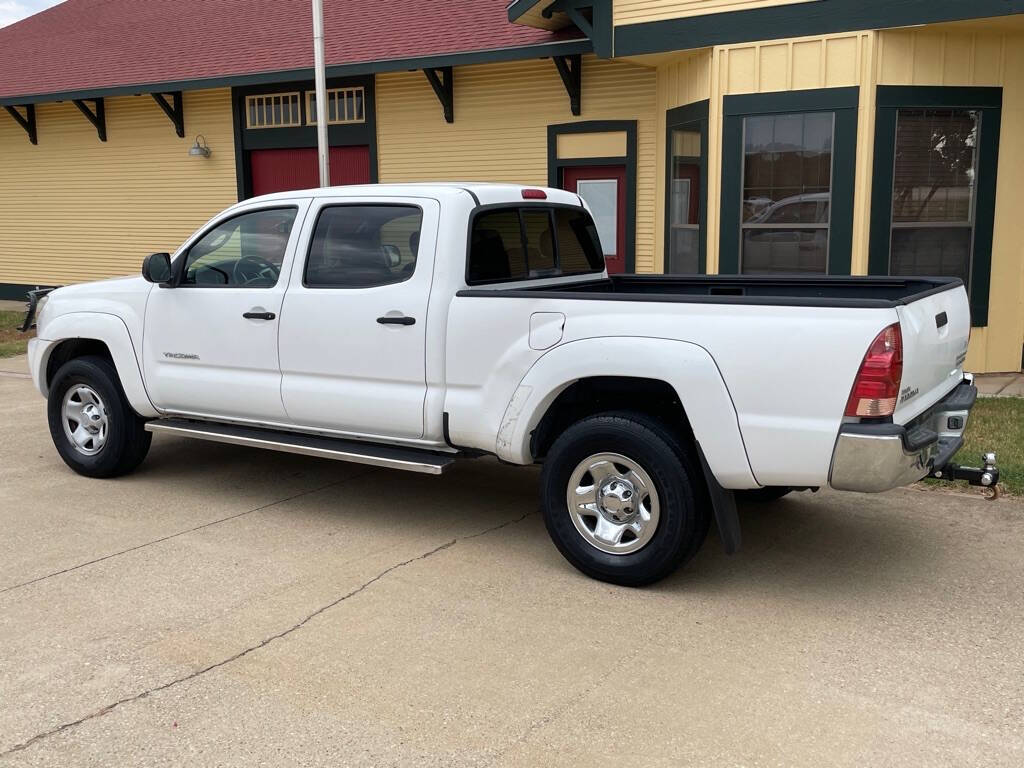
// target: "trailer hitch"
[[986, 477]]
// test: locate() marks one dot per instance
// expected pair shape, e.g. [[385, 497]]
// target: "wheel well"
[[590, 396], [72, 348]]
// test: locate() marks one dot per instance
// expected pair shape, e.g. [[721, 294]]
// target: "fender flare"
[[112, 331], [688, 368]]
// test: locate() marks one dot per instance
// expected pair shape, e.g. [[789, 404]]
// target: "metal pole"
[[321, 93]]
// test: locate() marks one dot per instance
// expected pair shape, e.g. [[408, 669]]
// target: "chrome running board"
[[408, 459]]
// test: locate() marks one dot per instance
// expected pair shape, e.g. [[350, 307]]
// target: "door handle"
[[258, 315], [396, 320]]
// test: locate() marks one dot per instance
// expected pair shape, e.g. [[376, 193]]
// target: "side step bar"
[[409, 459]]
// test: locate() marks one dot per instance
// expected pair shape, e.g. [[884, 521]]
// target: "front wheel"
[[93, 427], [621, 499]]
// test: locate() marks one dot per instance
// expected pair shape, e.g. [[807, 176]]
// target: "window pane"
[[935, 168], [361, 246], [579, 249], [684, 251], [602, 195], [540, 244], [496, 248], [931, 251], [784, 250], [684, 201], [247, 250]]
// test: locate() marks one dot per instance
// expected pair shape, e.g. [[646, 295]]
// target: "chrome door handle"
[[258, 315], [399, 320]]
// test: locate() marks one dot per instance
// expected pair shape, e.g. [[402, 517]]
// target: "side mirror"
[[393, 255], [157, 268]]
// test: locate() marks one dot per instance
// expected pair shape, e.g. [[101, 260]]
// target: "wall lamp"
[[199, 149]]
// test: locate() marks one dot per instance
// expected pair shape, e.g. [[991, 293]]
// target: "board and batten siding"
[[500, 131], [637, 11], [73, 208], [962, 54]]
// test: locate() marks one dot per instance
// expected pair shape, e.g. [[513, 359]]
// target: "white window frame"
[[262, 100], [340, 97]]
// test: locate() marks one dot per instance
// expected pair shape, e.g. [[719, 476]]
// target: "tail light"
[[534, 194], [877, 386]]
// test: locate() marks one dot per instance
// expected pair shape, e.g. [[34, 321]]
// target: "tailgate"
[[936, 330]]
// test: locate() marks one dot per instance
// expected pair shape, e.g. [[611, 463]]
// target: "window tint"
[[244, 251], [361, 246], [533, 242]]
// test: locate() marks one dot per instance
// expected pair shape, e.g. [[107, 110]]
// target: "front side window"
[[787, 191], [246, 251], [363, 246], [532, 242], [933, 196]]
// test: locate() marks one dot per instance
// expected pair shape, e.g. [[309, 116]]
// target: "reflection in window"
[[602, 195], [244, 251], [787, 193], [362, 246], [934, 183], [683, 255]]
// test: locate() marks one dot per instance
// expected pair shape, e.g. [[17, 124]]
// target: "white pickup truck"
[[409, 325]]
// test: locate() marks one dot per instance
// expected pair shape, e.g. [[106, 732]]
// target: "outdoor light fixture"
[[199, 149]]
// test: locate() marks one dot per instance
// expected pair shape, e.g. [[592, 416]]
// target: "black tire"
[[684, 507], [764, 495], [126, 440]]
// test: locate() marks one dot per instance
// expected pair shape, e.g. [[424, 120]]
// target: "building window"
[[933, 197], [686, 193], [344, 105], [788, 172], [273, 110]]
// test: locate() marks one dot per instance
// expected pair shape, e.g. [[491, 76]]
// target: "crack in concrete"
[[266, 641], [182, 533]]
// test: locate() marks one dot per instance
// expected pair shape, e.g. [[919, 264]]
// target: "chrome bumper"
[[878, 457]]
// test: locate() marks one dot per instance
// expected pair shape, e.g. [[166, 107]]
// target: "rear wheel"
[[93, 427], [622, 500]]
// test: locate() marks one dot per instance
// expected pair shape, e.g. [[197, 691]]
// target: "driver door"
[[210, 341]]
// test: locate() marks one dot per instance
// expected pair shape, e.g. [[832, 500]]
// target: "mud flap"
[[723, 502]]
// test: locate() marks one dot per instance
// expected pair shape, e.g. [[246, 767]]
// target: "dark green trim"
[[798, 19], [989, 101], [18, 291], [570, 69], [680, 117], [555, 167], [247, 140], [97, 115], [174, 110], [541, 50], [26, 121], [843, 102], [599, 29], [442, 81]]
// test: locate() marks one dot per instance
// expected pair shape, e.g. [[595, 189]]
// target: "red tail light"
[[534, 194], [877, 386]]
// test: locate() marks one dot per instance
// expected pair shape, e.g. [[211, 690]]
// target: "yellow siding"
[[74, 208], [571, 146], [636, 11], [957, 55], [500, 131]]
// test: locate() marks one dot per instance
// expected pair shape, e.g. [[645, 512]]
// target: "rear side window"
[[362, 246], [521, 243]]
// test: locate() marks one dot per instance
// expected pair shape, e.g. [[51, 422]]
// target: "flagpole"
[[321, 93]]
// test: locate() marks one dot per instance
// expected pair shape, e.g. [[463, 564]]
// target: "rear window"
[[525, 242]]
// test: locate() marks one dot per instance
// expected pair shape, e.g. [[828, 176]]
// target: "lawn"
[[996, 424], [12, 341]]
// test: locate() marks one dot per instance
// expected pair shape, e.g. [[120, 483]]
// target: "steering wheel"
[[251, 269]]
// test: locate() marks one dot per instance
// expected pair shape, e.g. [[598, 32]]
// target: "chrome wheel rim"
[[613, 503], [85, 419]]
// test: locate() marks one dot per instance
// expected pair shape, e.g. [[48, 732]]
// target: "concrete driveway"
[[226, 606]]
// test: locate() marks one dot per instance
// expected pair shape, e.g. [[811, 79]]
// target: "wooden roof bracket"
[[443, 81], [175, 110], [570, 68], [97, 115], [27, 122]]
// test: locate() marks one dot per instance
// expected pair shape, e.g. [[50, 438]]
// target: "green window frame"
[[843, 104], [691, 117], [988, 102]]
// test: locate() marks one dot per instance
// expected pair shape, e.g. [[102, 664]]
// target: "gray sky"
[[16, 10]]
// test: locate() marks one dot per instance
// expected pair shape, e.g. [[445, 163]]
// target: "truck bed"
[[805, 291]]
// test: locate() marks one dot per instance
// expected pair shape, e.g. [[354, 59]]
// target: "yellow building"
[[756, 136]]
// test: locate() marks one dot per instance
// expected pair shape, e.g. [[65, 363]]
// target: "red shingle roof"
[[82, 45]]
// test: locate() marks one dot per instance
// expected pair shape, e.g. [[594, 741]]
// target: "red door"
[[604, 189], [280, 170]]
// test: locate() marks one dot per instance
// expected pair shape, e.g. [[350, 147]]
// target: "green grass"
[[12, 341], [996, 424]]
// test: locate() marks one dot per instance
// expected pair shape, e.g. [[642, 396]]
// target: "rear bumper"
[[878, 457]]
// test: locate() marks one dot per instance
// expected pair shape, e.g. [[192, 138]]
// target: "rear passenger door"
[[352, 332]]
